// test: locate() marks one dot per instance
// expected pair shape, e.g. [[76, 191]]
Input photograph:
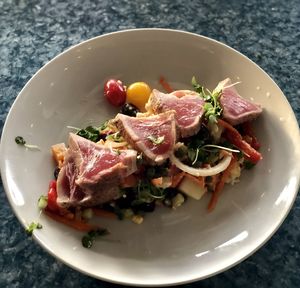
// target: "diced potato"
[[58, 153], [137, 219], [192, 187], [177, 201]]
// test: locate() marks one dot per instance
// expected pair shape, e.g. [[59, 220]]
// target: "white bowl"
[[170, 247]]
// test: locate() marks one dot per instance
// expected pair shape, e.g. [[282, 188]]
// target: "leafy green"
[[21, 141], [32, 226], [88, 239], [212, 107], [90, 132], [156, 140]]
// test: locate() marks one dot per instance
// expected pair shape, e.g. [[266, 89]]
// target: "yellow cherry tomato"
[[138, 94]]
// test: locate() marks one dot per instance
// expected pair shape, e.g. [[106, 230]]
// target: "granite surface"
[[33, 32]]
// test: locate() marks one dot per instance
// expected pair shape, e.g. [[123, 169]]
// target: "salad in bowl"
[[161, 149]]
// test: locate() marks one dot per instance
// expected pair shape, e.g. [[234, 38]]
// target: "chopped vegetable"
[[73, 223], [137, 219], [138, 94], [129, 109], [104, 213], [32, 226], [165, 85], [43, 202], [52, 197], [220, 185], [177, 201], [20, 141], [90, 133], [212, 107], [115, 92], [192, 186], [234, 137], [88, 240], [221, 166], [58, 153]]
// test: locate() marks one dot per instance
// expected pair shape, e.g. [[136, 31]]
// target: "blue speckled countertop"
[[33, 32]]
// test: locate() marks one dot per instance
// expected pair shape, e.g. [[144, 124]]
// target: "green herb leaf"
[[90, 133], [32, 226], [212, 107], [20, 140], [88, 239], [156, 140]]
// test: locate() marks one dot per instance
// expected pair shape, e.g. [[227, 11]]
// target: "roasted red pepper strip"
[[52, 197], [163, 82], [76, 224], [248, 130], [235, 138]]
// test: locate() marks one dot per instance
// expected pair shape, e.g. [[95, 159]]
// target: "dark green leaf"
[[20, 140], [90, 133]]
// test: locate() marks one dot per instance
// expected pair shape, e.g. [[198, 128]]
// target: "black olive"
[[171, 192], [129, 109], [125, 200], [144, 207]]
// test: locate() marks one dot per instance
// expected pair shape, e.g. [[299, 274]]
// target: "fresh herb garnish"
[[21, 141], [156, 140], [220, 147], [43, 202], [116, 137], [90, 133], [212, 107], [32, 226], [88, 240]]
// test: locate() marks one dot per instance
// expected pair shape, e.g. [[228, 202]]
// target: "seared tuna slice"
[[236, 109], [188, 107], [91, 173], [154, 135]]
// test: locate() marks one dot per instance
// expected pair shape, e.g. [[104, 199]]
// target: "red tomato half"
[[115, 92]]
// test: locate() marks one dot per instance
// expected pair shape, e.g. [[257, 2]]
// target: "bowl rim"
[[254, 248]]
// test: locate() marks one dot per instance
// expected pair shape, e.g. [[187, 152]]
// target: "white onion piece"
[[220, 167]]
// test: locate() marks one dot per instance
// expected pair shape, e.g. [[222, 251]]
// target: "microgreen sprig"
[[21, 141], [156, 140], [212, 107]]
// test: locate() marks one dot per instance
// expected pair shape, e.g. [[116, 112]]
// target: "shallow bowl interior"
[[170, 247]]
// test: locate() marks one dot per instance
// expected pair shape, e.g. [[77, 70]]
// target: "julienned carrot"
[[163, 82], [158, 182], [104, 213], [75, 224], [220, 185], [176, 179]]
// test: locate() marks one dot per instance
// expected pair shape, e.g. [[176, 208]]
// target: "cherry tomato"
[[138, 94], [52, 197], [115, 92]]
